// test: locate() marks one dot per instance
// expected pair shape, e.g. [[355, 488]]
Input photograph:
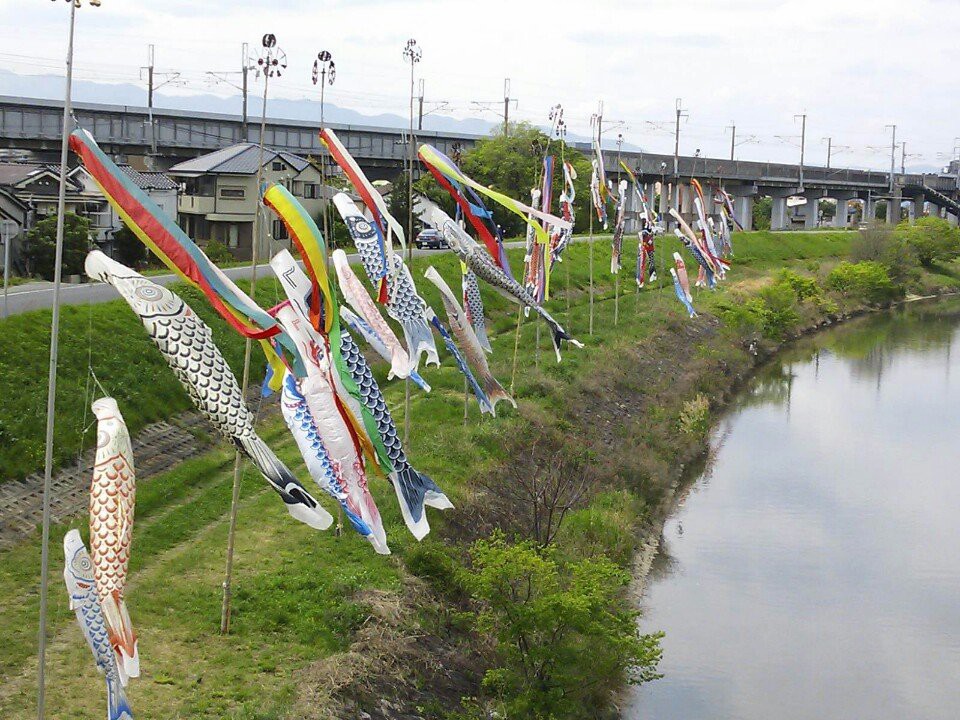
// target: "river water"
[[812, 569]]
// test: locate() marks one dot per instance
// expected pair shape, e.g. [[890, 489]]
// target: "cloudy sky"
[[853, 67]]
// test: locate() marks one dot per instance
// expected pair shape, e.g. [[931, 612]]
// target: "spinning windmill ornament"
[[324, 69], [272, 60]]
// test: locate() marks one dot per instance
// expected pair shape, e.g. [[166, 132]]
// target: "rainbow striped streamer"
[[308, 239], [179, 253], [437, 162]]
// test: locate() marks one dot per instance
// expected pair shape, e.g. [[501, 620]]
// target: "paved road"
[[39, 295]]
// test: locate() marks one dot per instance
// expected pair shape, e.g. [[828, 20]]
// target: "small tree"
[[218, 253], [128, 248], [762, 213], [533, 495], [564, 642], [40, 250], [933, 239]]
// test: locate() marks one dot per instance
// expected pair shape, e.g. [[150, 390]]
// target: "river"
[[812, 568]]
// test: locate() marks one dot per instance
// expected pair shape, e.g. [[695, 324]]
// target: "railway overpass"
[[128, 133]]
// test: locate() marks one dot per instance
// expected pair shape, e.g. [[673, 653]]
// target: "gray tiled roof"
[[12, 173], [240, 159], [149, 180]]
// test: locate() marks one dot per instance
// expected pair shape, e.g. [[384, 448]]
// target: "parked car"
[[428, 238]]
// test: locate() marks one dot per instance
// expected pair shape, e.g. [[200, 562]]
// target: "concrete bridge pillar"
[[779, 219], [743, 209], [811, 211], [869, 209], [841, 218], [778, 213], [686, 199], [915, 208], [952, 219], [674, 201], [893, 207], [664, 204]]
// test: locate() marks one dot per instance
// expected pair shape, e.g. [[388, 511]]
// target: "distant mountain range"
[[51, 87]]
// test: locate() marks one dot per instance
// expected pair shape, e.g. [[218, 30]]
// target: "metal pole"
[[52, 378], [506, 107], [6, 267], [244, 135], [325, 205], [413, 53], [829, 150], [803, 142], [590, 243], [893, 155], [903, 157], [676, 140], [153, 130], [420, 112], [733, 140], [245, 384]]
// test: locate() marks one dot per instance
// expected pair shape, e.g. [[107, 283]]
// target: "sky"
[[852, 67]]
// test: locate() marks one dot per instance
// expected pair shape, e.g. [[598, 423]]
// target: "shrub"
[[695, 415], [869, 280], [804, 288], [40, 249], [128, 248], [933, 239], [780, 306], [559, 627], [883, 244], [218, 253]]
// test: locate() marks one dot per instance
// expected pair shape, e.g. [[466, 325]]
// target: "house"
[[220, 196], [14, 216], [36, 188], [158, 186]]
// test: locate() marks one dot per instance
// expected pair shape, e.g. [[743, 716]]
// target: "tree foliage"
[[40, 250], [869, 280], [762, 213], [128, 248], [511, 164], [933, 240], [559, 629]]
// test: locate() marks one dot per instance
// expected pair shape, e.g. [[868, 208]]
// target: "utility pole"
[[829, 149], [493, 106], [245, 72], [171, 77], [247, 64], [956, 153], [420, 84], [803, 142], [903, 157], [506, 107], [153, 132], [893, 153], [681, 113], [732, 127]]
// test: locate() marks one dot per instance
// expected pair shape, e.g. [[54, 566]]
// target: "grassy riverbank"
[[320, 621]]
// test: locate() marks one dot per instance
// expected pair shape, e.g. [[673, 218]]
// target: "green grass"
[[296, 589]]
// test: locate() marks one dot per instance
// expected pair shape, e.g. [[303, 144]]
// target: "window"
[[279, 230], [310, 191], [232, 193], [277, 166]]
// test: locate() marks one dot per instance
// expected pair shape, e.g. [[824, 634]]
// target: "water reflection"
[[817, 575]]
